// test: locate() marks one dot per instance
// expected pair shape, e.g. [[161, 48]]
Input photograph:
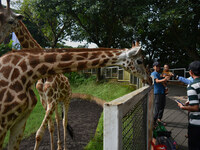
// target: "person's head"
[[166, 67], [156, 66], [194, 69]]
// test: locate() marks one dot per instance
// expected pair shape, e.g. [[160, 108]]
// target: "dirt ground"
[[83, 118]]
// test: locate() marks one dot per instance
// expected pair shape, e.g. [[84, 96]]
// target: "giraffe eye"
[[139, 62]]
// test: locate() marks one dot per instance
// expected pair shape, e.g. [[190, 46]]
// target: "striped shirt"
[[193, 92]]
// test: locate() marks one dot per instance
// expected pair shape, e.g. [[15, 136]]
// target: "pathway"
[[176, 119]]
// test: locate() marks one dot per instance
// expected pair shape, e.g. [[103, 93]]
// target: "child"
[[166, 73]]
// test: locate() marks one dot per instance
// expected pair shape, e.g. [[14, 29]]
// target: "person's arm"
[[189, 107], [162, 80], [193, 100], [184, 80]]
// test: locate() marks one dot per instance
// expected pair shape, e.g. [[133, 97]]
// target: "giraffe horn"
[[134, 51], [8, 4]]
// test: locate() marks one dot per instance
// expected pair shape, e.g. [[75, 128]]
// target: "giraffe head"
[[8, 20], [132, 61]]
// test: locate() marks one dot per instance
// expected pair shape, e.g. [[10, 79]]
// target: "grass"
[[107, 91]]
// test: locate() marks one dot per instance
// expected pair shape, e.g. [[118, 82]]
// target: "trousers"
[[160, 101]]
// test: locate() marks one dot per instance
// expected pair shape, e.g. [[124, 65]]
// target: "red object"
[[159, 147]]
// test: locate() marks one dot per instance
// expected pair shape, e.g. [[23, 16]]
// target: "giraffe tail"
[[89, 97], [70, 130]]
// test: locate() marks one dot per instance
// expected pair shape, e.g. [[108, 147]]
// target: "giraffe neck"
[[40, 63], [25, 38]]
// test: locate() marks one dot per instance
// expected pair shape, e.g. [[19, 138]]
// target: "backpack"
[[164, 141]]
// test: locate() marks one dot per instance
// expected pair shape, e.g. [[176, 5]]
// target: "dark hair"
[[195, 67]]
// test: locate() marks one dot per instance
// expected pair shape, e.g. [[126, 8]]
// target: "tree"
[[45, 17], [170, 31]]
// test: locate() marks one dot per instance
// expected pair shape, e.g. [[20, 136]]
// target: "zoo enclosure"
[[128, 121]]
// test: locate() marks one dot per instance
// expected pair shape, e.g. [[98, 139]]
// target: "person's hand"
[[180, 105], [187, 103], [175, 76], [167, 78], [171, 74]]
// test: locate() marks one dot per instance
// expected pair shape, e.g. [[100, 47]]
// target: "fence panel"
[[128, 121]]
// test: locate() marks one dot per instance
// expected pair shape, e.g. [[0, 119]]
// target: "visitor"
[[193, 92], [159, 93]]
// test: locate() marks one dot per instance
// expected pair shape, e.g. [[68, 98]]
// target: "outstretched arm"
[[184, 80]]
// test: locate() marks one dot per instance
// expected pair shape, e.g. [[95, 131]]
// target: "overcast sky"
[[69, 43]]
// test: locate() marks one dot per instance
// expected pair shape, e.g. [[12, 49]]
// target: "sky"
[[69, 42]]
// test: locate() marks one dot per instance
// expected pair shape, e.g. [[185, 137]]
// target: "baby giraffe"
[[55, 87]]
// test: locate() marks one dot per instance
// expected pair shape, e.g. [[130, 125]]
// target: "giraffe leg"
[[51, 131], [58, 128], [65, 109], [16, 133], [41, 130], [2, 137]]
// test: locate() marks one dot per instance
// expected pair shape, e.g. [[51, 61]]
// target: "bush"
[[76, 78]]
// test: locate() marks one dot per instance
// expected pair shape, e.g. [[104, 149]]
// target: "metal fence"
[[128, 121]]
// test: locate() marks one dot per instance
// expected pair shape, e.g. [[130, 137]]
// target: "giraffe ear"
[[134, 51], [18, 16]]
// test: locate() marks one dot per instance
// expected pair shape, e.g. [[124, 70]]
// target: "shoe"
[[162, 122]]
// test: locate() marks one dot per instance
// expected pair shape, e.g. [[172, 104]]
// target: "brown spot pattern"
[[50, 58], [15, 74], [66, 57], [2, 92], [28, 85], [25, 44], [34, 61], [43, 69], [16, 86], [50, 93], [96, 62], [35, 77], [30, 73], [22, 96], [64, 65], [9, 97], [109, 54], [51, 72], [8, 107], [23, 79], [85, 55], [3, 83], [80, 58], [16, 59], [32, 95], [82, 65], [23, 66], [31, 44], [6, 71]]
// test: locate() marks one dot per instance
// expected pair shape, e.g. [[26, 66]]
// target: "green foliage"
[[4, 48], [76, 78], [168, 30]]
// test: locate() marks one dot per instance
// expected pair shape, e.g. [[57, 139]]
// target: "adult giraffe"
[[19, 70], [58, 84]]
